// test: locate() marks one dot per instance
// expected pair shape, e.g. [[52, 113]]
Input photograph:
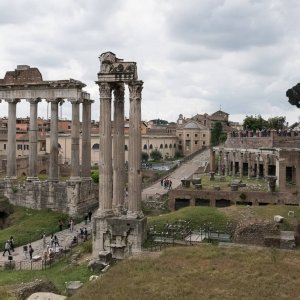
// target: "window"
[[203, 143], [179, 134], [196, 135], [203, 135], [145, 147], [126, 148], [19, 147], [188, 135], [161, 146], [170, 146], [150, 147], [166, 146], [174, 146], [196, 142]]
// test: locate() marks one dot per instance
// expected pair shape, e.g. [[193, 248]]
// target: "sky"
[[194, 56]]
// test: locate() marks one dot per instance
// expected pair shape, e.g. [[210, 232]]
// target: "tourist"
[[90, 216], [44, 240], [52, 241], [25, 251], [30, 251], [60, 225], [170, 184], [12, 244], [71, 225], [85, 233], [7, 247], [56, 243], [162, 182]]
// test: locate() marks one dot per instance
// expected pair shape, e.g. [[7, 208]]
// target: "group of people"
[[166, 183]]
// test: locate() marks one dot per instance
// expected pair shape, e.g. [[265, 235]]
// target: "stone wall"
[[70, 197], [253, 197], [249, 142]]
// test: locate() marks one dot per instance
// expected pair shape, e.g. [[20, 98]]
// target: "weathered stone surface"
[[24, 290], [96, 265], [46, 296], [72, 287]]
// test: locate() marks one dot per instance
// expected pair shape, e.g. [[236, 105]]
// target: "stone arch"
[[96, 146], [43, 172]]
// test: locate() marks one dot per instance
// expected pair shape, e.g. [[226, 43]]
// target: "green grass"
[[27, 225], [201, 272], [199, 216], [58, 274]]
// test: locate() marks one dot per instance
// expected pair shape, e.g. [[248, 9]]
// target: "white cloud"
[[193, 56]]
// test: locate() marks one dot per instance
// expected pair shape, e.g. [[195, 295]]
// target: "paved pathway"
[[184, 171], [65, 238]]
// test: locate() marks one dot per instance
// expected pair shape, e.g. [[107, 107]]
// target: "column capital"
[[75, 101], [135, 90], [33, 100], [12, 100], [55, 100], [105, 90], [87, 101]]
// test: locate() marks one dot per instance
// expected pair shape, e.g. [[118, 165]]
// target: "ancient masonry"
[[74, 196], [119, 228]]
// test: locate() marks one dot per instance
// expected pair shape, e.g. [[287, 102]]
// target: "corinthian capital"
[[135, 90], [105, 90], [119, 92]]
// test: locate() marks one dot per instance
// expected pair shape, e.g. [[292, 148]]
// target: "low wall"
[[70, 197], [212, 197]]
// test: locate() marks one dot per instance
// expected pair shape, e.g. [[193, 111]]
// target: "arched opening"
[[96, 147], [145, 147], [151, 147], [161, 146]]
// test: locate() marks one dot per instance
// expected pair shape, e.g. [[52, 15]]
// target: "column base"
[[75, 178], [10, 178], [32, 178], [86, 179], [134, 214]]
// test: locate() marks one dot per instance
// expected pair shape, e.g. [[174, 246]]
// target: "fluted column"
[[226, 163], [118, 150], [220, 163], [241, 165], [33, 140], [11, 172], [257, 166], [105, 166], [233, 164], [75, 165], [134, 151], [86, 140], [53, 168]]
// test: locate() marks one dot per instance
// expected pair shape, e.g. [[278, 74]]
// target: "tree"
[[156, 155], [145, 156], [255, 123], [276, 122], [217, 134]]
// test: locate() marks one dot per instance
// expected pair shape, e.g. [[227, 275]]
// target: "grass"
[[58, 274], [27, 225], [198, 216], [201, 272]]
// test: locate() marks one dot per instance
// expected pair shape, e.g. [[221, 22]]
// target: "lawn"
[[27, 225], [201, 272]]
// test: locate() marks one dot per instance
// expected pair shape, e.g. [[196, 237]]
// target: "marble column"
[[53, 168], [249, 164], [257, 165], [134, 151], [233, 164], [241, 165], [105, 165], [33, 140], [212, 160], [118, 150], [75, 162], [220, 163], [11, 172], [226, 163], [86, 140], [266, 165]]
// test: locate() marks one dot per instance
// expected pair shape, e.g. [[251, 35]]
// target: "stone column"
[[220, 163], [249, 164], [53, 168], [266, 165], [118, 150], [226, 163], [134, 151], [241, 165], [233, 164], [86, 140], [212, 160], [11, 172], [75, 165], [257, 166], [33, 140], [105, 166]]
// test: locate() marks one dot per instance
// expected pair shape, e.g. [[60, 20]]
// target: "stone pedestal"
[[120, 236]]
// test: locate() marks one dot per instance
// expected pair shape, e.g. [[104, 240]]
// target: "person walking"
[[30, 251], [44, 240], [90, 216], [71, 225], [12, 244], [56, 243], [25, 250], [7, 247]]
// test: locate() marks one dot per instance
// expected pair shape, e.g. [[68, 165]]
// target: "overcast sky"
[[194, 56]]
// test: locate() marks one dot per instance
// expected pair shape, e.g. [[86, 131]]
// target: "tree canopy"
[[258, 123], [217, 134]]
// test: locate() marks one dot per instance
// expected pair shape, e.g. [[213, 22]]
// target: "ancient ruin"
[[119, 228], [72, 197]]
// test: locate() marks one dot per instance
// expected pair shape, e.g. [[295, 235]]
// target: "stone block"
[[9, 265], [278, 219], [72, 287], [234, 187], [105, 257], [36, 258]]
